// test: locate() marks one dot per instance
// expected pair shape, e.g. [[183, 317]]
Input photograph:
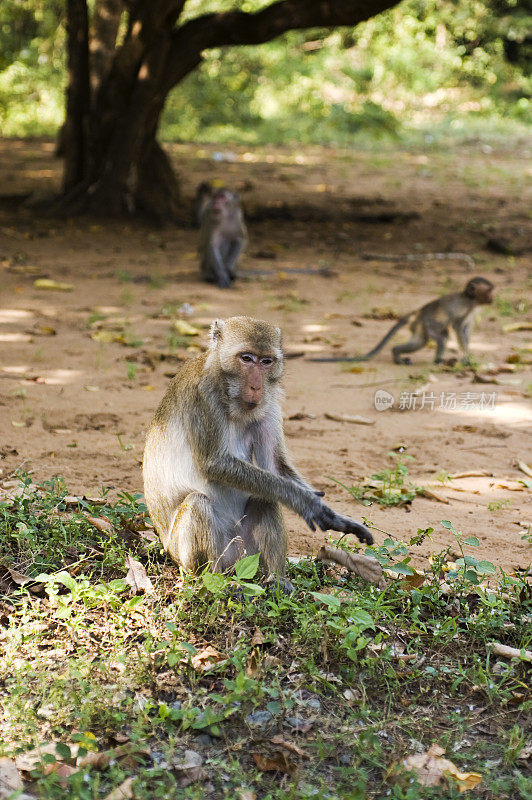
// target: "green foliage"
[[388, 487], [32, 66], [350, 679], [423, 65]]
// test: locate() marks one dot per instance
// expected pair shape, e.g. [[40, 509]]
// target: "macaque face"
[[255, 370], [222, 200]]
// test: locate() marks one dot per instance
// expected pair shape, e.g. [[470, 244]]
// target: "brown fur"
[[216, 468], [222, 236], [433, 321]]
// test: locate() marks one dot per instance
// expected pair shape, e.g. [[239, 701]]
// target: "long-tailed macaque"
[[222, 237], [216, 468], [433, 321]]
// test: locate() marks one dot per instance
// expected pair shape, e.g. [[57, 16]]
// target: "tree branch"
[[240, 28]]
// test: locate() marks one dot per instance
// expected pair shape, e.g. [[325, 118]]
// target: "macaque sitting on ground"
[[433, 321], [216, 467], [222, 237]]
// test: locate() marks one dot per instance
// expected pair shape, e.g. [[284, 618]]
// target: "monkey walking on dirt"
[[216, 467], [433, 321]]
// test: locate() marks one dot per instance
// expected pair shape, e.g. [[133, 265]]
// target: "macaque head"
[[250, 357], [224, 199], [480, 290]]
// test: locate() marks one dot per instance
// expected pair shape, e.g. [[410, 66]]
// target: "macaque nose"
[[255, 387]]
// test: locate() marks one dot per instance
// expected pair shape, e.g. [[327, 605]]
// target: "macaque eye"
[[247, 358], [267, 362]]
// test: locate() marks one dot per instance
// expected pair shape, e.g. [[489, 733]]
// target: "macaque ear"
[[215, 333]]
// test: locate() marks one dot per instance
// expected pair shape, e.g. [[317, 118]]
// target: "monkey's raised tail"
[[366, 357]]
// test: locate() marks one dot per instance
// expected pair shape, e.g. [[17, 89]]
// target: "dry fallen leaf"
[[278, 740], [277, 762], [137, 577], [102, 524], [252, 666], [42, 330], [101, 759], [207, 658], [10, 780], [245, 794], [108, 336], [190, 769], [433, 770], [258, 638], [430, 494], [25, 580], [71, 500], [517, 326], [46, 283], [98, 760], [31, 759], [382, 312], [478, 473], [62, 771], [122, 792], [524, 468], [413, 581], [184, 328], [18, 577]]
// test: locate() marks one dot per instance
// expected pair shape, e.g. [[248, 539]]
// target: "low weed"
[[387, 487], [220, 686]]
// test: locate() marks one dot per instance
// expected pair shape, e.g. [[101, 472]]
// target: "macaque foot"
[[225, 283], [449, 362]]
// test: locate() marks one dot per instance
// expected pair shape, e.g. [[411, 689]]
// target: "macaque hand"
[[356, 528], [326, 519]]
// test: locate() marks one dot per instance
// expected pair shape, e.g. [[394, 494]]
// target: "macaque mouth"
[[250, 404]]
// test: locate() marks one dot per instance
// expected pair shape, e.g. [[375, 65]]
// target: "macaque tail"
[[366, 357]]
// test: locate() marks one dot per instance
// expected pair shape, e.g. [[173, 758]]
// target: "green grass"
[[353, 678]]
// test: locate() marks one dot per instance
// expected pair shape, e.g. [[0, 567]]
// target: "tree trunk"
[[104, 30], [113, 162], [78, 94]]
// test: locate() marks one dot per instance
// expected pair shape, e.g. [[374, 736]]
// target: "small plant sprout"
[[468, 567]]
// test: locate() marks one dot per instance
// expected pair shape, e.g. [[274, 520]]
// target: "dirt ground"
[[76, 403]]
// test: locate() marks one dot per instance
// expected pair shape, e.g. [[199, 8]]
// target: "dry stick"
[[233, 540], [421, 257], [366, 568], [325, 272], [509, 652]]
